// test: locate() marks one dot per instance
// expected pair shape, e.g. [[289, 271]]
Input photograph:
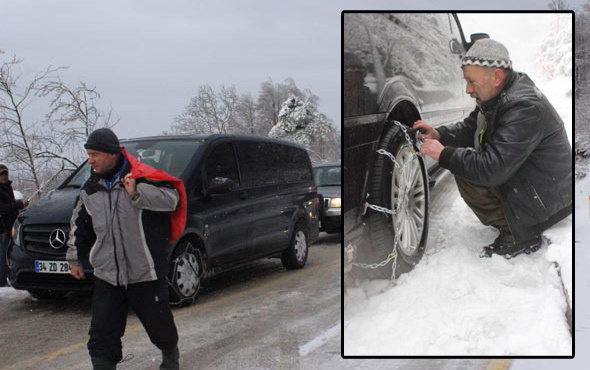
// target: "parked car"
[[248, 198], [396, 67], [329, 182]]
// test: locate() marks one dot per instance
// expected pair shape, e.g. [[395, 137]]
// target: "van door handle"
[[243, 195]]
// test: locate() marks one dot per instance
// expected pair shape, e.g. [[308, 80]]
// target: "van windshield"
[[327, 176], [171, 156]]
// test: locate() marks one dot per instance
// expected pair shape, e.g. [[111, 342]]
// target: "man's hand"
[[426, 130], [432, 148], [129, 184], [77, 271]]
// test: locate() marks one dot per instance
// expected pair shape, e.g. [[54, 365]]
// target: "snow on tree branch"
[[300, 122]]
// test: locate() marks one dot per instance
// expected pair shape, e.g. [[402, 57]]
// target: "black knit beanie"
[[103, 140]]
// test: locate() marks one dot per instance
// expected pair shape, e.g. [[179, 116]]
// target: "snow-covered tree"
[[299, 121], [557, 48], [271, 97], [210, 112], [39, 151], [75, 113]]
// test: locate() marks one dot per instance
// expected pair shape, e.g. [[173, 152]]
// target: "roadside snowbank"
[[582, 232], [11, 293]]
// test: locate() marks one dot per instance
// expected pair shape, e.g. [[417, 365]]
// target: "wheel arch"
[[199, 243], [404, 111], [192, 237], [300, 218]]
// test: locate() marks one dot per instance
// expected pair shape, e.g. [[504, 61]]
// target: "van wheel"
[[186, 273], [295, 256], [387, 187]]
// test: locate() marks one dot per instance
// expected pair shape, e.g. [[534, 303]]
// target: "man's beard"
[[476, 96]]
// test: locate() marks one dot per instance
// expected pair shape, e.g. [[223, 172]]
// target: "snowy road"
[[259, 317]]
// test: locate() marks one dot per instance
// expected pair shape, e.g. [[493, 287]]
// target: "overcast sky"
[[147, 58]]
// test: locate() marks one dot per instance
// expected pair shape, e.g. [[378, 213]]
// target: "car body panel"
[[396, 66]]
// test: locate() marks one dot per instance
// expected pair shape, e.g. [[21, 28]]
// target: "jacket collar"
[[110, 179], [489, 105]]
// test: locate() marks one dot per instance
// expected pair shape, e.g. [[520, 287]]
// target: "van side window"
[[221, 162], [297, 167], [261, 163]]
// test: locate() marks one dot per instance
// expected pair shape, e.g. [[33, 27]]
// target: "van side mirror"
[[475, 37], [220, 185], [455, 47]]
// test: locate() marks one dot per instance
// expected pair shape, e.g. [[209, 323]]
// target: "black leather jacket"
[[525, 152]]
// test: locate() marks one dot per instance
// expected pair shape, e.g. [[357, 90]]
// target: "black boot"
[[99, 363], [170, 359], [505, 238], [505, 246]]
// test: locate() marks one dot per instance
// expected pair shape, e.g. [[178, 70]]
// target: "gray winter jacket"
[[125, 240]]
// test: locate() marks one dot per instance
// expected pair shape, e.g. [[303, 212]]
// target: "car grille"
[[326, 203], [36, 239]]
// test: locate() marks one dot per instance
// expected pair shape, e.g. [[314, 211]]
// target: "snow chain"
[[400, 201]]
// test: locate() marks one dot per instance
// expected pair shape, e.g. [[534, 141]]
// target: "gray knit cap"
[[487, 53]]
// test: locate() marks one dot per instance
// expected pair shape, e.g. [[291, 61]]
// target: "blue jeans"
[[4, 242]]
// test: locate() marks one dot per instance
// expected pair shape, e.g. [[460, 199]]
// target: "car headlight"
[[16, 232], [336, 202]]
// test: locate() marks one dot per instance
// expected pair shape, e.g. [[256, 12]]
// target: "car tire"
[[186, 274], [412, 221], [295, 257]]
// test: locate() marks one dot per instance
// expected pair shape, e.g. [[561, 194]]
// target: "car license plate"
[[52, 267]]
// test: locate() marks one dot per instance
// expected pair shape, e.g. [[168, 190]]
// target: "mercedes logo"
[[57, 238]]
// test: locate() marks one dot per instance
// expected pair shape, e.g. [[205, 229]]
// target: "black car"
[[248, 198], [397, 68], [329, 182]]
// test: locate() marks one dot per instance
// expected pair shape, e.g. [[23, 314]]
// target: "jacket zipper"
[[536, 196], [113, 235]]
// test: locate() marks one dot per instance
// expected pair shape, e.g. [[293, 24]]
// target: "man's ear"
[[498, 77]]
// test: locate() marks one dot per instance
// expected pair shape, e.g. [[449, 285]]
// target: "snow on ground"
[[582, 334], [9, 293], [455, 303]]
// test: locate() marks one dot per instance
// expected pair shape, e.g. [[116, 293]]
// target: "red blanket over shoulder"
[[142, 170]]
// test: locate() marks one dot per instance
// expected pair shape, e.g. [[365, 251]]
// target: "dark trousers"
[[485, 202], [149, 300]]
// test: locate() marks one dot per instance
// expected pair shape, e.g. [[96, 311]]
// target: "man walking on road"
[[9, 208], [511, 157], [125, 220]]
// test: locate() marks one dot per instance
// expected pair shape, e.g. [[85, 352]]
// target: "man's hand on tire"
[[426, 130]]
